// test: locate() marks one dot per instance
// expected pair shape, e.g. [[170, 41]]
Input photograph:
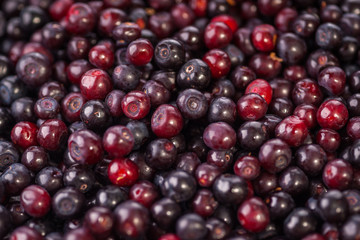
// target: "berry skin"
[[292, 130], [169, 54], [52, 134], [228, 20], [95, 84], [101, 56], [333, 79], [85, 147], [24, 134], [80, 19], [140, 52], [260, 87], [275, 155], [338, 174], [166, 122], [217, 35], [332, 114], [264, 37], [135, 105], [123, 172], [251, 107], [118, 141], [253, 215], [35, 200], [218, 61], [219, 136], [194, 74]]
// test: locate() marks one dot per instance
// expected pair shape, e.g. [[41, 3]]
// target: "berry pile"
[[180, 120]]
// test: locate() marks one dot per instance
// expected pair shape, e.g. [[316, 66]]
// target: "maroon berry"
[[35, 200], [123, 172], [219, 136], [253, 215], [166, 122], [118, 141], [332, 114], [95, 84]]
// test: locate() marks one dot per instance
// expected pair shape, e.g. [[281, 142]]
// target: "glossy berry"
[[80, 19], [71, 106], [126, 77], [118, 141], [100, 221], [140, 52], [292, 130], [9, 154], [33, 69], [160, 154], [228, 20], [24, 134], [169, 54], [166, 122], [85, 147], [260, 87], [95, 115], [247, 167], [328, 36], [144, 192], [230, 189], [218, 61], [46, 108], [191, 226], [275, 155], [178, 185], [333, 79], [252, 134], [299, 223], [333, 206], [251, 107], [35, 158], [337, 174], [311, 159], [192, 103], [131, 215], [194, 74], [308, 92], [15, 178], [253, 215], [35, 200], [328, 139], [95, 84], [101, 56], [204, 203], [50, 178], [263, 37], [217, 35], [280, 204], [206, 174], [306, 113], [293, 181], [126, 32], [165, 212], [135, 105], [123, 172], [52, 134], [67, 203], [219, 136], [352, 128], [25, 232], [332, 114]]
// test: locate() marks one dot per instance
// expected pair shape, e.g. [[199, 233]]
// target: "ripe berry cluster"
[[179, 119]]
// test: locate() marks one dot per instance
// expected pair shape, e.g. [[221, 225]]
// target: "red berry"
[[140, 52], [228, 20], [24, 134], [95, 84], [260, 87], [166, 122], [332, 114], [251, 107], [292, 130], [123, 172], [264, 37], [101, 56], [118, 141], [135, 105], [338, 174], [253, 215], [217, 35], [35, 200], [218, 61]]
